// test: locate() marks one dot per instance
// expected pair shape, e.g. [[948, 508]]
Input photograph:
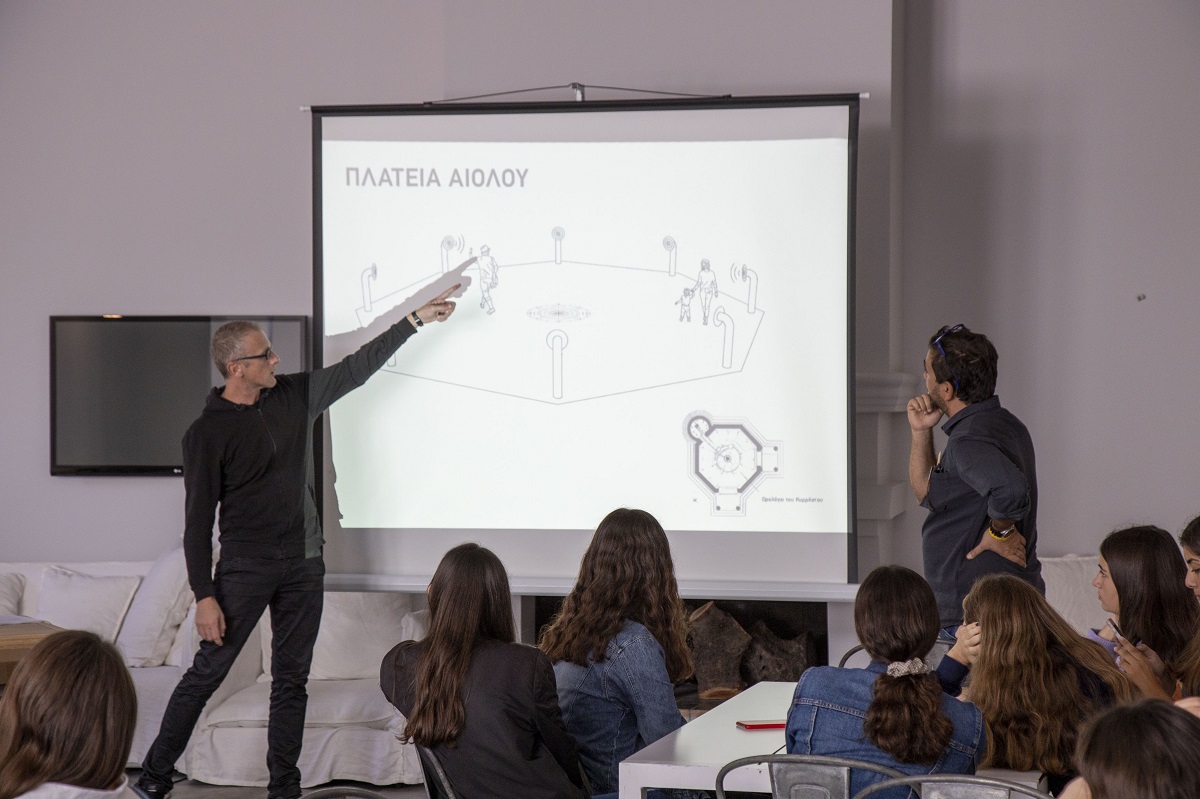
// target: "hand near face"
[[966, 644], [923, 414]]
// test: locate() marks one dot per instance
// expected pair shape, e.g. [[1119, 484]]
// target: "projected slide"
[[650, 323]]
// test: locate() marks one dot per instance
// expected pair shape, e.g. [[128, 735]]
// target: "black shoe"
[[151, 790]]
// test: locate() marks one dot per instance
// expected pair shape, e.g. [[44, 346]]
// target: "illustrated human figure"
[[488, 277], [685, 304], [250, 454], [706, 287]]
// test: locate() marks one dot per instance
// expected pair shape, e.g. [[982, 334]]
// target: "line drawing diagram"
[[729, 459], [568, 329]]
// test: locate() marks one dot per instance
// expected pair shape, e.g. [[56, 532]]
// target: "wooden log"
[[771, 658], [718, 643]]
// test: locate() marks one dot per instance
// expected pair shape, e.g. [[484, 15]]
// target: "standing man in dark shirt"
[[251, 452], [981, 491]]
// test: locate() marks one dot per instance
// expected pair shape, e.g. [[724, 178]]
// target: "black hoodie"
[[257, 462]]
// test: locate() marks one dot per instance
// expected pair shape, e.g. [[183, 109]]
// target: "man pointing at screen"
[[981, 491], [250, 452]]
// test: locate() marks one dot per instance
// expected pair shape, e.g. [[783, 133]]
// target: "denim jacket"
[[827, 715], [618, 706]]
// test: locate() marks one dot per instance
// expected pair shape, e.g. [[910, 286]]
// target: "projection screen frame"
[[436, 109]]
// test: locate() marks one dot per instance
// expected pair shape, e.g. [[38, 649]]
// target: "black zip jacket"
[[257, 462]]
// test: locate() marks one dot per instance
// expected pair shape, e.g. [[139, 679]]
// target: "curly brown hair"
[[626, 575], [1028, 680]]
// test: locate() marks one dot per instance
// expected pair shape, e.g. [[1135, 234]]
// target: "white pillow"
[[85, 602], [12, 586], [357, 630], [158, 607]]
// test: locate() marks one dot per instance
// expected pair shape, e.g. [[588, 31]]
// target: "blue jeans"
[[244, 587]]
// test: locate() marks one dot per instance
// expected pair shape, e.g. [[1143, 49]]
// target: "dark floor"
[[189, 789]]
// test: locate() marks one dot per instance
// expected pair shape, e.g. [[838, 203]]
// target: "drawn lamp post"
[[556, 340], [669, 246], [558, 234], [725, 321]]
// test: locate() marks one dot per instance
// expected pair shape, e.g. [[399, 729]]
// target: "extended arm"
[[330, 384]]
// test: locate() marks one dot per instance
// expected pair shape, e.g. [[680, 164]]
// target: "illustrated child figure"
[[706, 287], [685, 304]]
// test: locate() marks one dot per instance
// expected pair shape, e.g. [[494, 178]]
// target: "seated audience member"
[[1036, 680], [1189, 539], [485, 705], [893, 712], [66, 721], [1187, 669], [1145, 750], [619, 645], [1141, 583]]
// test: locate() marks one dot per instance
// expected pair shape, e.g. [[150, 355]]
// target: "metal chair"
[[805, 776], [940, 647], [953, 786], [437, 784]]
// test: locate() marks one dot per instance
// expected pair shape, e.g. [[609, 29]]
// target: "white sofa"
[[146, 609]]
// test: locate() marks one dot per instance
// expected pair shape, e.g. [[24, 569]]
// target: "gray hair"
[[227, 343]]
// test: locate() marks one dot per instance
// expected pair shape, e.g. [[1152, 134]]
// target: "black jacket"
[[257, 462], [514, 743]]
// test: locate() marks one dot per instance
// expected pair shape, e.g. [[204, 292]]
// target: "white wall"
[[1050, 177], [155, 161]]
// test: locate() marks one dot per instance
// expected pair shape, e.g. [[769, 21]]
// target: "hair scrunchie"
[[903, 668]]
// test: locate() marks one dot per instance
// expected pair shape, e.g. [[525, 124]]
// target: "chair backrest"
[[954, 786], [805, 776], [437, 784], [932, 658]]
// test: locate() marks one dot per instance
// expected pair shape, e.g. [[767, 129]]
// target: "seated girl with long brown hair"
[[485, 705], [1141, 583], [1036, 680], [66, 721], [619, 644], [893, 712]]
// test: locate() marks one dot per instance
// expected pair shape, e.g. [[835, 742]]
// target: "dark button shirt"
[[986, 472]]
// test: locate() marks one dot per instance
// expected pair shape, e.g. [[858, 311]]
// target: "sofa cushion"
[[331, 703], [76, 601], [158, 607], [12, 586], [357, 630], [1069, 590]]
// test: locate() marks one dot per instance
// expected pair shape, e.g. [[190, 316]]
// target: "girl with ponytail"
[[893, 712]]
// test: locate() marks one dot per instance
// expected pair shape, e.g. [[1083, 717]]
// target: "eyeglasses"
[[937, 342], [266, 356]]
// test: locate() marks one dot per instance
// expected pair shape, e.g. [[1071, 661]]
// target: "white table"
[[691, 756]]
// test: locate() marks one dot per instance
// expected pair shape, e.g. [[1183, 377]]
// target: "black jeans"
[[294, 590]]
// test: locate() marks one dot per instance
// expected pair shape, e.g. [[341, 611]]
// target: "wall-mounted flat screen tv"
[[123, 390]]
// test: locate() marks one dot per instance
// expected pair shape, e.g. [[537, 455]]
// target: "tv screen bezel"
[[58, 469]]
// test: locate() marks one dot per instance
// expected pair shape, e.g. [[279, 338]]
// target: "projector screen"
[[659, 316]]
